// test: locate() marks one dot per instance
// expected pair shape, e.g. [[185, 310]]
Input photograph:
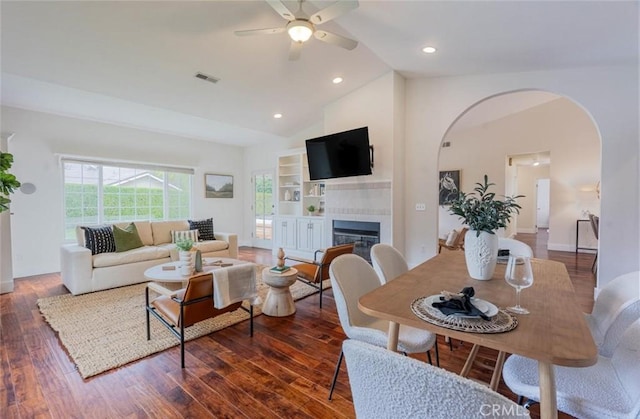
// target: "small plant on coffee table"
[[185, 244]]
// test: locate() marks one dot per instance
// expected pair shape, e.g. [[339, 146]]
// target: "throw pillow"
[[451, 238], [126, 238], [184, 235], [204, 227], [99, 239]]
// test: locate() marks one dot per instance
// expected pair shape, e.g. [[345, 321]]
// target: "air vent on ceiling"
[[446, 144], [205, 77]]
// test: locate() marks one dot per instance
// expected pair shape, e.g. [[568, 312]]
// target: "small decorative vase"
[[187, 264], [481, 254], [280, 263]]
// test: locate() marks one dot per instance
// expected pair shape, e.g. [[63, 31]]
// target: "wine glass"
[[519, 275]]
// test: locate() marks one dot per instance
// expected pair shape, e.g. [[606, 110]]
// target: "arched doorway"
[[500, 134]]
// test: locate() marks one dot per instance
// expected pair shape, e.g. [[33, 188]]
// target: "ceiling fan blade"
[[331, 12], [268, 31], [294, 51], [332, 38], [282, 10]]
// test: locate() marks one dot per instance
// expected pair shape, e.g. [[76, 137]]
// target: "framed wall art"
[[218, 186], [449, 186]]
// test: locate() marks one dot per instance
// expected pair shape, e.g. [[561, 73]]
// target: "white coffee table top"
[[156, 273]]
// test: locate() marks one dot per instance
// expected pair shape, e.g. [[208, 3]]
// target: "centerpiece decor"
[[187, 260], [484, 214]]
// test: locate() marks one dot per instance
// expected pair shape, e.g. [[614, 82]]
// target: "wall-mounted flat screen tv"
[[341, 154]]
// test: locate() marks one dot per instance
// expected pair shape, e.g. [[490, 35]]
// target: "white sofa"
[[82, 272]]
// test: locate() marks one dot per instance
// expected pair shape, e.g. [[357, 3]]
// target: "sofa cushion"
[[99, 239], [211, 246], [130, 256], [126, 238], [144, 230], [204, 227], [162, 230]]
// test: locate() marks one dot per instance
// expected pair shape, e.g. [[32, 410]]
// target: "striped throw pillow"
[[182, 235]]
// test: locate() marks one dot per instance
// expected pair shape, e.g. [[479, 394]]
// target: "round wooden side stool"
[[279, 301]]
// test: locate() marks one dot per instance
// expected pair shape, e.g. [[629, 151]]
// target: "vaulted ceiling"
[[133, 63]]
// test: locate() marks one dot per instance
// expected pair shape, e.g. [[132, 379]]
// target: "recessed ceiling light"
[[277, 115], [337, 80], [429, 50]]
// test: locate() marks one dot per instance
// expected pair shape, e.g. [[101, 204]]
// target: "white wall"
[[527, 181], [609, 95], [559, 126], [380, 106], [37, 221]]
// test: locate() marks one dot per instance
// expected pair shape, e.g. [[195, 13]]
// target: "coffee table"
[[169, 273]]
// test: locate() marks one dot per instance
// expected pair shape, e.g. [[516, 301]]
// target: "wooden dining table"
[[555, 331]]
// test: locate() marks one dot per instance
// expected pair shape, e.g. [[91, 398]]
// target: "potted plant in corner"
[[8, 182], [484, 214], [311, 209]]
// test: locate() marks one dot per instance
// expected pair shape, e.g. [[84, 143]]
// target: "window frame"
[[123, 164]]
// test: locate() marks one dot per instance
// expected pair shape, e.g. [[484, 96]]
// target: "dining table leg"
[[392, 339], [548, 401]]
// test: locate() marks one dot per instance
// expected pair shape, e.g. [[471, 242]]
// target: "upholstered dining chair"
[[352, 277], [515, 246], [616, 307], [180, 309], [595, 225], [387, 262], [608, 389], [314, 272], [457, 244], [385, 384]]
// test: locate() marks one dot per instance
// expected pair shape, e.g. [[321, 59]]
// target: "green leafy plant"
[[481, 211], [8, 182], [311, 208], [185, 244]]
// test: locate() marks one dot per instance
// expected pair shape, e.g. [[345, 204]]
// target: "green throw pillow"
[[126, 238]]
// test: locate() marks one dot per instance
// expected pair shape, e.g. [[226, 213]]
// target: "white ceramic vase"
[[187, 263], [481, 254]]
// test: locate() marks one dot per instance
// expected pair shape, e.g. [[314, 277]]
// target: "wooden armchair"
[[314, 272], [458, 242], [180, 309]]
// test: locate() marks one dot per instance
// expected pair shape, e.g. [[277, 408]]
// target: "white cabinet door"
[[285, 232], [310, 234]]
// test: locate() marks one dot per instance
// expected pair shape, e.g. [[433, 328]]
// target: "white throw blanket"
[[235, 283]]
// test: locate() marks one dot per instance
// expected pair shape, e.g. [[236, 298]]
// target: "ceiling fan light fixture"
[[300, 30]]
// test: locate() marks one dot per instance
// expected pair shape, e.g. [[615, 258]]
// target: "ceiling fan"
[[301, 26]]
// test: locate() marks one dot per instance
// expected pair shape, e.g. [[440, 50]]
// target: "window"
[[107, 192]]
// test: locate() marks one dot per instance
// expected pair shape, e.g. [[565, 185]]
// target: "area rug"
[[107, 329]]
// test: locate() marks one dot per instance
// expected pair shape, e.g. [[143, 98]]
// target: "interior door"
[[542, 203], [263, 210]]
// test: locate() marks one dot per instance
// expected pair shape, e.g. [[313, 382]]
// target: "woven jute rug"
[[107, 329]]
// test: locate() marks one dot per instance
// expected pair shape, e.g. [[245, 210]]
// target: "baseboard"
[[6, 286], [527, 230], [561, 247]]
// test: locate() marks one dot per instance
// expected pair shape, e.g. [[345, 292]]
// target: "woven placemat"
[[501, 322]]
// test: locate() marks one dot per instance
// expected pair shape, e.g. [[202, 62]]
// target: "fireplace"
[[363, 233]]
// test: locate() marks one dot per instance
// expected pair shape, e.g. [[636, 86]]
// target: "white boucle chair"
[[515, 247], [352, 277], [615, 308], [387, 262], [390, 264], [608, 389], [385, 384]]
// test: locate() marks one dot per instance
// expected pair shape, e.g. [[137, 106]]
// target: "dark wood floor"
[[283, 371]]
